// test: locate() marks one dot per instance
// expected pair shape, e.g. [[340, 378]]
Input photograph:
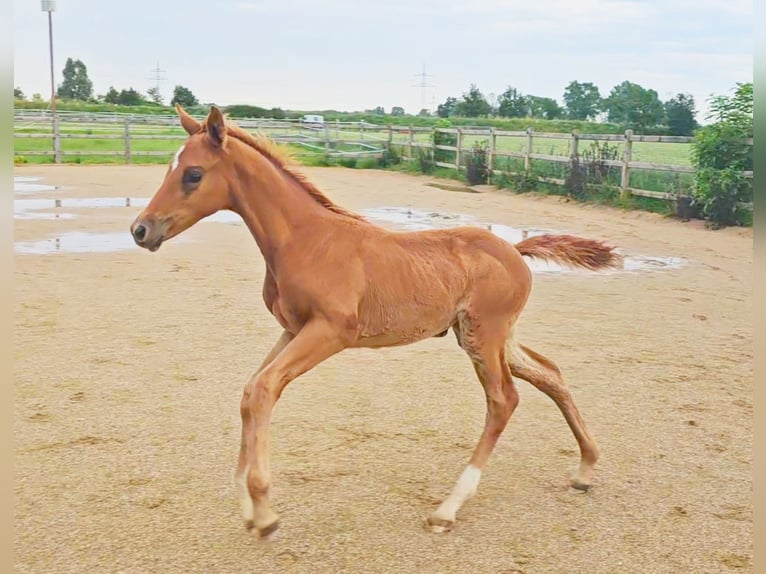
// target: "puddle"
[[40, 208], [82, 241], [32, 208], [77, 242], [410, 219], [36, 208], [24, 184]]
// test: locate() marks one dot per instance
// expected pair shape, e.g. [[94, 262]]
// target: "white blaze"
[[177, 157]]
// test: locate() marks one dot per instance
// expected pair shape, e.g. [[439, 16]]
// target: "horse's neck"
[[274, 206]]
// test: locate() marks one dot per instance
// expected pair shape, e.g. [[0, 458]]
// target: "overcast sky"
[[359, 54]]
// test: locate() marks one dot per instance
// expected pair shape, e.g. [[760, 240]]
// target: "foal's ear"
[[188, 123], [215, 126]]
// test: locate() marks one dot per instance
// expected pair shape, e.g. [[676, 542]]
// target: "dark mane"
[[280, 157]]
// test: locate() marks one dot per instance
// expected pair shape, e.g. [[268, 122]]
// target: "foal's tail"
[[571, 251]]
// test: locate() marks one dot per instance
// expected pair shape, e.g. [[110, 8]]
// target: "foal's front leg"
[[313, 344], [240, 476]]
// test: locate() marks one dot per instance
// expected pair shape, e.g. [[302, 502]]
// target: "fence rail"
[[338, 139]]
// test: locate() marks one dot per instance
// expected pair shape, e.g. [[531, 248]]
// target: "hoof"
[[439, 525], [269, 532], [581, 486]]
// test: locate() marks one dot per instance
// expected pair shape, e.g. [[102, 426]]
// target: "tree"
[[737, 109], [76, 84], [446, 109], [424, 112], [155, 95], [582, 100], [18, 94], [547, 108], [680, 112], [183, 96], [130, 97], [512, 104], [473, 104], [112, 96], [397, 111], [634, 106]]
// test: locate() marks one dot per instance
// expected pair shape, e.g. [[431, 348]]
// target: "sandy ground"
[[130, 368]]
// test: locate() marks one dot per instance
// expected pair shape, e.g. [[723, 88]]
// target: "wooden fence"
[[573, 141], [334, 139], [353, 140]]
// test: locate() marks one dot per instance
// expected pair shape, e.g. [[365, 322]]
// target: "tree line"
[[628, 104]]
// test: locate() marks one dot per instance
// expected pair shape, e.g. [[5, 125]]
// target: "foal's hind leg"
[[502, 398], [545, 375]]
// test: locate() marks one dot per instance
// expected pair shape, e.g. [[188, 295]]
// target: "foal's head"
[[195, 184]]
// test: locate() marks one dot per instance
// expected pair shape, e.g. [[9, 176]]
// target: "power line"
[[423, 85], [157, 77]]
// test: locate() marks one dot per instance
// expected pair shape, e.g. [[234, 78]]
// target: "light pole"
[[49, 6]]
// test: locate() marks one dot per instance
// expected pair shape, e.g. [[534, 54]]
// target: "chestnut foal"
[[335, 281]]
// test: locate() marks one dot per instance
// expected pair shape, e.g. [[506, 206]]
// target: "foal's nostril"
[[139, 232]]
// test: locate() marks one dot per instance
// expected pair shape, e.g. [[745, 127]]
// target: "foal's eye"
[[192, 176]]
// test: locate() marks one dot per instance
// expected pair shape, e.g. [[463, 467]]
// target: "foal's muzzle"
[[147, 233]]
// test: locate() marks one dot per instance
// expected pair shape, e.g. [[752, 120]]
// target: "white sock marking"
[[465, 488], [177, 157]]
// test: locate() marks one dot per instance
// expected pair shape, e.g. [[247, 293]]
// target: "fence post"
[[573, 145], [409, 143], [459, 145], [491, 154], [56, 139], [528, 152], [326, 141], [625, 179], [127, 140]]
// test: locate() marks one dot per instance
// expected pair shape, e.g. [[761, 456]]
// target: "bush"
[[591, 168], [390, 156], [441, 138], [426, 160], [367, 163], [477, 170], [576, 181], [349, 162], [720, 154], [519, 181], [720, 195], [596, 169]]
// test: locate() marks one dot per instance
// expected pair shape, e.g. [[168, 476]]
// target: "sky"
[[360, 54]]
